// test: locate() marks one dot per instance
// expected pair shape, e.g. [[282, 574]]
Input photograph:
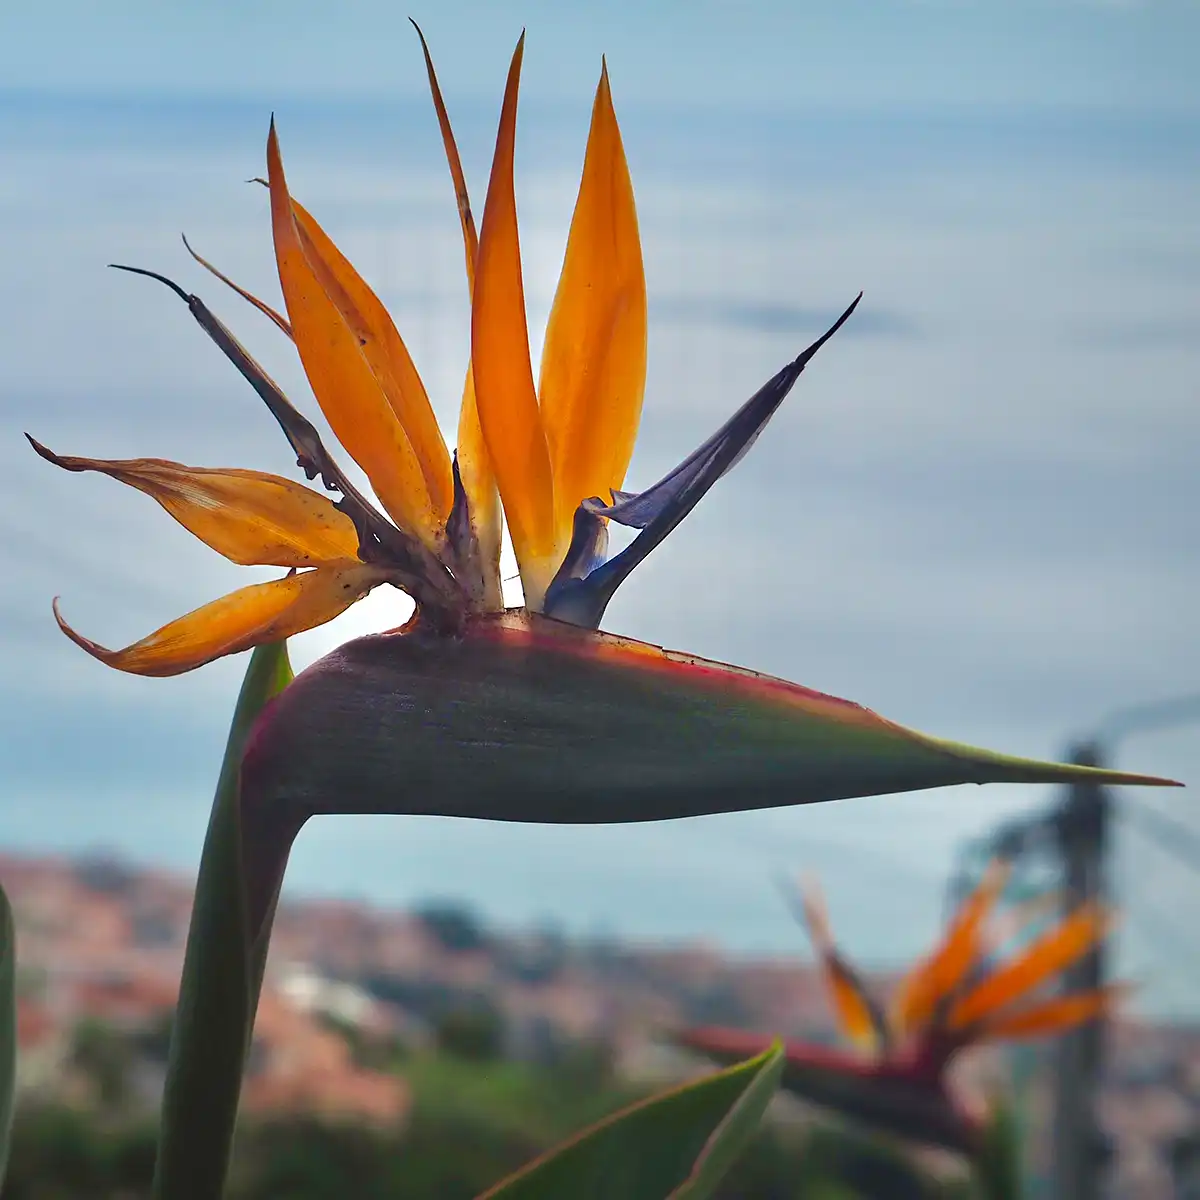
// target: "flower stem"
[[222, 977]]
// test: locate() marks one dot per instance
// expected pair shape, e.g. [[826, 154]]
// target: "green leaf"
[[675, 1146], [222, 976], [733, 1134], [8, 1026], [997, 1168]]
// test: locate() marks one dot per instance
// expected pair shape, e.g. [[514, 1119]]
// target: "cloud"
[[1166, 333], [778, 317]]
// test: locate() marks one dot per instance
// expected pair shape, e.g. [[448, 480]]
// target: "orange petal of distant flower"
[[386, 354], [474, 466], [280, 321], [342, 379], [856, 1014], [593, 371], [251, 517], [937, 977], [504, 391], [1050, 1017], [1050, 954], [1018, 923], [262, 612]]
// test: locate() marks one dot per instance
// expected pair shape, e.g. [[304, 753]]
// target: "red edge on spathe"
[[516, 627]]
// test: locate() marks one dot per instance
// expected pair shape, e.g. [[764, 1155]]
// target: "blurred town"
[[360, 1002]]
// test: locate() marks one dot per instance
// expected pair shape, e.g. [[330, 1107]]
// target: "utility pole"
[[1077, 833], [1082, 826]]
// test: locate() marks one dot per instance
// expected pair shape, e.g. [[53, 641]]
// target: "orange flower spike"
[[474, 466], [504, 391], [593, 372], [1051, 953], [906, 1089], [262, 612], [933, 980], [856, 1014], [386, 354], [342, 380]]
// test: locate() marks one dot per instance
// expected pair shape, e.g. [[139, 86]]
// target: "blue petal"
[[721, 453], [581, 597], [588, 550]]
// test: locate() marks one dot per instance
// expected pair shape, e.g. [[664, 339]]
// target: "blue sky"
[[1116, 54], [977, 513]]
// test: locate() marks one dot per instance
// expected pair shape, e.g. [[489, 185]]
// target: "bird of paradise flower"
[[963, 994], [528, 714], [550, 453], [472, 709]]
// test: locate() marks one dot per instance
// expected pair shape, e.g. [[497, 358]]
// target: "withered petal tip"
[[154, 275]]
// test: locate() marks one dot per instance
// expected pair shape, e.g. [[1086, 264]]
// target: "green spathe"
[[528, 719], [524, 718]]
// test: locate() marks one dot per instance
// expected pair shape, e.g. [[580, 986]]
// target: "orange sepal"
[[474, 466], [933, 980], [1050, 1017], [856, 1016], [1051, 953], [386, 354], [504, 390], [251, 517], [251, 616], [593, 371], [280, 321], [342, 380]]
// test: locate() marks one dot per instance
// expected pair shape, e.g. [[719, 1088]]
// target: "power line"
[[1167, 833], [1077, 832], [1173, 939], [1148, 718]]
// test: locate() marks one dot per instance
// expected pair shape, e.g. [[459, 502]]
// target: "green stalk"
[[997, 1169], [222, 977], [8, 1027]]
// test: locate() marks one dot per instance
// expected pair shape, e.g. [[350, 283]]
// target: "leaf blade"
[[8, 1027], [733, 1134], [646, 1151]]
